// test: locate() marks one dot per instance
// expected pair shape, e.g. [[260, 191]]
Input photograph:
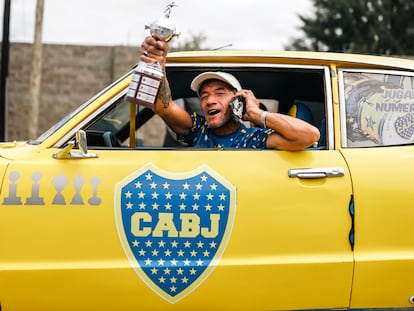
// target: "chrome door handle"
[[318, 172]]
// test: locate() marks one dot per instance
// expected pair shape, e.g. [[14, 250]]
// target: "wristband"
[[263, 118]]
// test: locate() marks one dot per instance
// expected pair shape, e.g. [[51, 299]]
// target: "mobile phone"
[[238, 108]]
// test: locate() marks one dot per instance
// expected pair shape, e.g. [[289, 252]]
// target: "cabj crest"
[[174, 227]]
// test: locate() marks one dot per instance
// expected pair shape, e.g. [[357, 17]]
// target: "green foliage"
[[359, 26], [192, 44]]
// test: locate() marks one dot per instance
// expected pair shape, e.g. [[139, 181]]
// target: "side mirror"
[[81, 141]]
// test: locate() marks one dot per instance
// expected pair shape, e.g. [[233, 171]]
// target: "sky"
[[243, 24]]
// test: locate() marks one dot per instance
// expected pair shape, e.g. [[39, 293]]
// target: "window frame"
[[237, 67]]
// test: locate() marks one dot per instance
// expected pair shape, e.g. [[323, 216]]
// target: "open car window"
[[300, 92]]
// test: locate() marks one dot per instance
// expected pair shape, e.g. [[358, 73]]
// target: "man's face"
[[215, 96]]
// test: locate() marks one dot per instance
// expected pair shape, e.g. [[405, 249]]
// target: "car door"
[[98, 232], [377, 117], [288, 247]]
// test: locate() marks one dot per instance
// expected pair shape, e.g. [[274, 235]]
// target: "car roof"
[[297, 57]]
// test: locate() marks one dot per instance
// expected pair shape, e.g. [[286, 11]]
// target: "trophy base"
[[145, 84]]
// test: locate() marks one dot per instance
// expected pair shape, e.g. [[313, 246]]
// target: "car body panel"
[[383, 223], [78, 243]]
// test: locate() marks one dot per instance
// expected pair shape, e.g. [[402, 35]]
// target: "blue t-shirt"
[[201, 136]]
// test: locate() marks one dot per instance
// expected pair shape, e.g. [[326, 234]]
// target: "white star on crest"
[[128, 194]]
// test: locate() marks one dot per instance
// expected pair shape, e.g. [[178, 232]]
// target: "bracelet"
[[263, 118]]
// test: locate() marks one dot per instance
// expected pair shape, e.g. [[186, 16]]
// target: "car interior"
[[299, 92]]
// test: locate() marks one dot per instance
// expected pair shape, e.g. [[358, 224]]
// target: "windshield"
[[72, 114]]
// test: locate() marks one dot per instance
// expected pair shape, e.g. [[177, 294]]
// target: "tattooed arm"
[[177, 118]]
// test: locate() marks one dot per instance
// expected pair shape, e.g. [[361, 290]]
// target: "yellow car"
[[108, 210]]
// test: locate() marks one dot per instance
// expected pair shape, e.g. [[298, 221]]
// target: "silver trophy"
[[147, 78]]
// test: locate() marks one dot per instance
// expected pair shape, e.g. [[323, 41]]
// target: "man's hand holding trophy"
[[147, 77]]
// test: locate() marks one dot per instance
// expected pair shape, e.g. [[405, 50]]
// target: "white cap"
[[217, 75]]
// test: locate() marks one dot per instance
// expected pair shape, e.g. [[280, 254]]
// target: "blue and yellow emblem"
[[174, 227]]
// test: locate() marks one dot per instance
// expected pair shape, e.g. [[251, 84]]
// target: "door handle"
[[318, 172]]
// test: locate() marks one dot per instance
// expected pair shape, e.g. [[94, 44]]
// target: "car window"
[[278, 90], [377, 108], [111, 127]]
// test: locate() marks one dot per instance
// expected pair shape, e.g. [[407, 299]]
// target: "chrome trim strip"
[[329, 109], [344, 143], [245, 66]]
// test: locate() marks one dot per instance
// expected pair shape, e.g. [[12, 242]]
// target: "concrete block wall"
[[71, 75]]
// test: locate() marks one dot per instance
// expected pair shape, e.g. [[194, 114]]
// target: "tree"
[[193, 44], [359, 26]]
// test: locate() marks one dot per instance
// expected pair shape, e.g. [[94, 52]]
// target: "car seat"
[[302, 111]]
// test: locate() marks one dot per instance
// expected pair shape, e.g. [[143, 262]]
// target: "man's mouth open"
[[213, 112]]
